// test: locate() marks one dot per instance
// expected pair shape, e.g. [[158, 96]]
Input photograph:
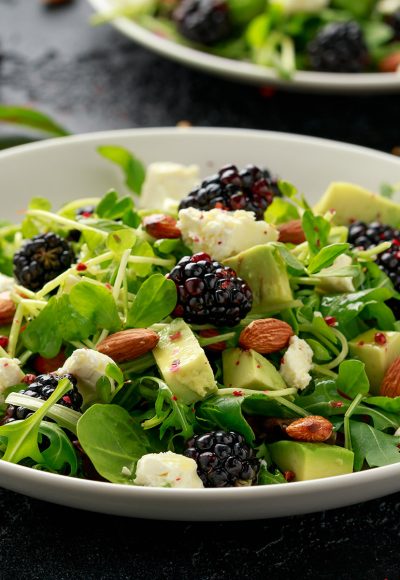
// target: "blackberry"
[[41, 259], [362, 235], [209, 292], [203, 21], [250, 189], [43, 387], [394, 22], [339, 47], [223, 459]]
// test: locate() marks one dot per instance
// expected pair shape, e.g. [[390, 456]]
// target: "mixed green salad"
[[196, 333], [342, 36]]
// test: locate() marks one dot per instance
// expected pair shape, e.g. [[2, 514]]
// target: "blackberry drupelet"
[[203, 21], [250, 189], [394, 22], [209, 292], [41, 259], [339, 47], [223, 459], [42, 388]]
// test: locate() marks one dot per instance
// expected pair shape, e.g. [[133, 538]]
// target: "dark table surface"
[[92, 79]]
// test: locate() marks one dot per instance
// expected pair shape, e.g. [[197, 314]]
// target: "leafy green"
[[113, 441], [121, 240], [294, 266], [386, 403], [326, 257], [267, 477], [60, 454], [316, 230], [31, 118], [112, 208], [87, 308], [280, 211], [352, 379], [133, 169], [225, 413], [155, 300], [373, 446]]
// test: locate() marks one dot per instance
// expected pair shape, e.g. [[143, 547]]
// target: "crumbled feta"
[[297, 363], [166, 183], [6, 283], [293, 6], [223, 234], [337, 284], [388, 6], [87, 366], [167, 470], [10, 374]]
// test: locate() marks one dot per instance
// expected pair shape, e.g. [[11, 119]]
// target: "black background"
[[92, 79]]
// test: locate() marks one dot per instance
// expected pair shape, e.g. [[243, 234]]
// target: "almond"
[[7, 309], [291, 233], [312, 428], [266, 335], [390, 386], [390, 63], [128, 344], [160, 226]]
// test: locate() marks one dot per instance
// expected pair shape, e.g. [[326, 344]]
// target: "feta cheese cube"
[[10, 374], [87, 366], [168, 182], [223, 234], [6, 283], [297, 363], [167, 470]]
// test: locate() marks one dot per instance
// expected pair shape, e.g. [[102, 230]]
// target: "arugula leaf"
[[87, 308], [373, 446], [352, 379], [113, 441], [155, 300], [31, 118], [60, 454], [326, 257], [316, 230], [266, 477], [387, 403], [133, 169], [225, 413]]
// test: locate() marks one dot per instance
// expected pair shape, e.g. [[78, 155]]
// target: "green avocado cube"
[[247, 369], [376, 356], [311, 460]]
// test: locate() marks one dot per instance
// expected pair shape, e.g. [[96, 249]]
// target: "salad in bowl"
[[203, 332]]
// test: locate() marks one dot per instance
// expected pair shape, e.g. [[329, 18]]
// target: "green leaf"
[[316, 230], [167, 246], [266, 477], [225, 413], [280, 211], [294, 266], [352, 379], [133, 169], [113, 441], [121, 240], [31, 118], [386, 403], [377, 448], [155, 300], [39, 203], [326, 257], [60, 454], [112, 208]]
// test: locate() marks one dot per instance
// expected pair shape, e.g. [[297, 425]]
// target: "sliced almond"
[[161, 226], [7, 309], [390, 386], [266, 335], [313, 428], [291, 232], [128, 344]]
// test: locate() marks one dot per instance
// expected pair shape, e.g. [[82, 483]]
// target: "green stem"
[[215, 339], [247, 392], [63, 221], [347, 415], [343, 353], [15, 330]]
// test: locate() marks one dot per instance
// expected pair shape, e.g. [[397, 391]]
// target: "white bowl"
[[251, 73], [64, 169]]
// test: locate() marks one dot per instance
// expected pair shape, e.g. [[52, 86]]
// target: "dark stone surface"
[[92, 79]]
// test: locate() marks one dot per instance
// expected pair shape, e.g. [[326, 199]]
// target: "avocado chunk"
[[183, 363], [265, 272], [247, 369], [377, 357], [311, 460], [352, 202]]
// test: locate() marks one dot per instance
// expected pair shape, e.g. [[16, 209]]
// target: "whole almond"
[[161, 226], [291, 232], [266, 335], [128, 344], [390, 386], [312, 429], [7, 309], [390, 63]]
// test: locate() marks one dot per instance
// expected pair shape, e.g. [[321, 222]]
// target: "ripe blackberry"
[[362, 235], [42, 388], [41, 259], [223, 459], [203, 21], [209, 292], [339, 47], [394, 22], [250, 189]]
